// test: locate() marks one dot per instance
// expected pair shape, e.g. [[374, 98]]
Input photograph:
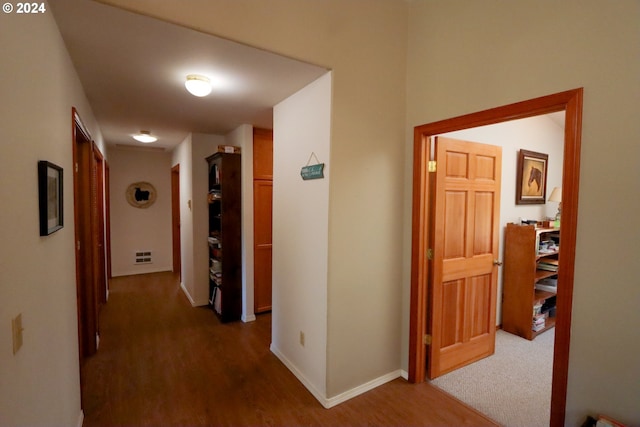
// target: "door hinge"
[[430, 254], [427, 339], [76, 168], [432, 165], [78, 245]]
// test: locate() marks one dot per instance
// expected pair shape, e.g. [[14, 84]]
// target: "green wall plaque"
[[312, 172]]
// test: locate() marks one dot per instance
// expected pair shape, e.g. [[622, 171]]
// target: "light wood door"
[[262, 217], [465, 245], [263, 195]]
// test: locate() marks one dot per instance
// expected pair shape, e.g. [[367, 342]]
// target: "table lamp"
[[556, 196]]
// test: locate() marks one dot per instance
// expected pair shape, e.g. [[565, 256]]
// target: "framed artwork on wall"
[[50, 186], [531, 180], [141, 194]]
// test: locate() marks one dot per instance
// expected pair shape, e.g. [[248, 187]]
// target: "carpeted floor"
[[513, 386]]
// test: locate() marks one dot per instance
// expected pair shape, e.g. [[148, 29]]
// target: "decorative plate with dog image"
[[141, 194]]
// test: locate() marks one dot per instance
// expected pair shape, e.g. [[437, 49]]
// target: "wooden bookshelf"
[[225, 245], [522, 271]]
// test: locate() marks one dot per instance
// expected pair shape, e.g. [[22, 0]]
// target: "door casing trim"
[[571, 102]]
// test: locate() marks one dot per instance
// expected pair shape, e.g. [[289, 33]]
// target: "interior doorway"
[[88, 180], [571, 103]]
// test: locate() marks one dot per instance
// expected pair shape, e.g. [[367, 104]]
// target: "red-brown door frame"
[[569, 101], [82, 218], [100, 259], [107, 217]]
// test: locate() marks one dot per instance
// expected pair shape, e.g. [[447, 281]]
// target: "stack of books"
[[217, 278], [539, 318], [550, 284], [539, 321], [548, 265]]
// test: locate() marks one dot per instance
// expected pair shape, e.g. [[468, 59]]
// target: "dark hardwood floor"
[[163, 363]]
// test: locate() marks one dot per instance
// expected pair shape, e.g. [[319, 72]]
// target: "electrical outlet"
[[302, 338], [16, 328]]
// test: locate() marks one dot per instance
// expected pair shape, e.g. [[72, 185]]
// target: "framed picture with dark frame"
[[531, 180], [50, 197]]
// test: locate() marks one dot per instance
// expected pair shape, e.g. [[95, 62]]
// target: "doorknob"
[[497, 262]]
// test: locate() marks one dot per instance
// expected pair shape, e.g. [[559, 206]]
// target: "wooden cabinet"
[[530, 279], [225, 244], [262, 213]]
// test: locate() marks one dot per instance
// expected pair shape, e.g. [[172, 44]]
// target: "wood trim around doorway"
[[569, 101]]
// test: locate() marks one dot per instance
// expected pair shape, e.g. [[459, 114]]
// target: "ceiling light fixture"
[[145, 137], [198, 85]]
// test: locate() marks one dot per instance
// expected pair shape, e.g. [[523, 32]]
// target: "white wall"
[[540, 134], [181, 155], [526, 49], [300, 234], [40, 384], [194, 217], [202, 147], [134, 229]]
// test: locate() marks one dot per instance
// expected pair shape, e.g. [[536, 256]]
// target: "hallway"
[[163, 363]]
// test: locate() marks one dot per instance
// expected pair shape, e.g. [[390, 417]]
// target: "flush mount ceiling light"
[[198, 85], [145, 137]]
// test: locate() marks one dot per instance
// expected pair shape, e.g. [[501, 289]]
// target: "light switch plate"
[[16, 327]]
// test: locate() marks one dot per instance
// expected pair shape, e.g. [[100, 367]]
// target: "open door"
[[464, 251], [571, 102]]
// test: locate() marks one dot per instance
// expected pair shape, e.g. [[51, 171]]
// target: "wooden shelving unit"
[[225, 245], [523, 270]]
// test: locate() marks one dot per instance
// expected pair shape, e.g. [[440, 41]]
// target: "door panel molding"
[[569, 101], [457, 266]]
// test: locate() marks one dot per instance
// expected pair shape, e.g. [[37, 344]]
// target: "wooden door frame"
[[107, 216], [569, 101], [101, 263], [81, 140]]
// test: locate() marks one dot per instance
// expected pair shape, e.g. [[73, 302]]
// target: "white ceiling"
[[133, 68]]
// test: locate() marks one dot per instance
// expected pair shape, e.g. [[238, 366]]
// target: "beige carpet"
[[513, 386]]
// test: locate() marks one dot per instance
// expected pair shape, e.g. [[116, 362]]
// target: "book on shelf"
[[549, 265], [539, 321], [539, 327], [549, 284], [546, 288]]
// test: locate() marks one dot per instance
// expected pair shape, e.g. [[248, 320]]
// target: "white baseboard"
[[246, 318], [80, 419], [193, 302], [404, 374], [140, 269], [187, 294], [363, 388], [342, 397], [320, 396]]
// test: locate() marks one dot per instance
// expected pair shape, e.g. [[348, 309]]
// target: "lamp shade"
[[145, 137], [556, 195], [198, 85]]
